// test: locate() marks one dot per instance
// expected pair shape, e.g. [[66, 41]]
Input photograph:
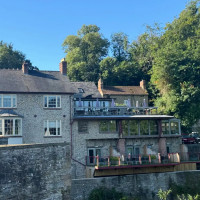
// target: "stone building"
[[35, 106], [134, 95], [101, 129], [45, 107]]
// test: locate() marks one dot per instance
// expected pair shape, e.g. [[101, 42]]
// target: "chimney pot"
[[25, 67], [100, 86], [143, 84], [63, 67]]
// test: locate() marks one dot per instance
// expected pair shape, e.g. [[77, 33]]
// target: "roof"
[[9, 113], [123, 90], [89, 89], [15, 81]]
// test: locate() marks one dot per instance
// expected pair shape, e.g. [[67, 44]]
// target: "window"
[[92, 153], [139, 127], [52, 101], [108, 126], [82, 126], [8, 101], [153, 126], [80, 90], [130, 127], [10, 127], [171, 127], [165, 127], [174, 128], [52, 127]]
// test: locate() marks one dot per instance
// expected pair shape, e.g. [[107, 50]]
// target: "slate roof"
[[52, 82], [90, 89], [123, 90]]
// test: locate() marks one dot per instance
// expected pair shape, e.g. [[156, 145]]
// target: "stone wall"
[[39, 171], [144, 186]]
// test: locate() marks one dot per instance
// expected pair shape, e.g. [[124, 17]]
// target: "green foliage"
[[10, 58], [84, 53], [119, 46], [187, 188], [103, 193], [188, 197], [176, 67], [163, 194]]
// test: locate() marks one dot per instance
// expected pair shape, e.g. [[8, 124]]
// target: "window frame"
[[128, 123], [2, 128], [47, 133], [108, 127], [80, 124], [49, 96], [12, 99]]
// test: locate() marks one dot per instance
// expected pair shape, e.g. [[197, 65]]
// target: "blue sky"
[[38, 27]]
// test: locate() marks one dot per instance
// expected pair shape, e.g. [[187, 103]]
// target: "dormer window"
[[8, 101], [80, 90]]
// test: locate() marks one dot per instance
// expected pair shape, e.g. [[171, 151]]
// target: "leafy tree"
[[176, 67], [84, 53], [10, 58], [119, 46]]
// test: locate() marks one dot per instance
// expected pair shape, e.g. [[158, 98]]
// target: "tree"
[[9, 58], [176, 67], [119, 46], [84, 53]]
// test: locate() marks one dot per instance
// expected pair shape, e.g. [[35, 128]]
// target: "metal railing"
[[110, 111], [151, 159]]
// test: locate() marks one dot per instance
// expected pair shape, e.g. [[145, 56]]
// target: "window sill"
[[10, 108], [83, 132], [108, 132], [7, 136], [52, 108], [53, 136]]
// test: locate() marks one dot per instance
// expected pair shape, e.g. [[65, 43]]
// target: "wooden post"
[[159, 159], [140, 161], [149, 158], [97, 160], [119, 160], [108, 161]]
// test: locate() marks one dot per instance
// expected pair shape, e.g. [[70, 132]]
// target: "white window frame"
[[47, 133], [3, 126], [13, 96], [54, 96]]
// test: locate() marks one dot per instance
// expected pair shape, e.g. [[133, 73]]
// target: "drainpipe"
[[71, 145]]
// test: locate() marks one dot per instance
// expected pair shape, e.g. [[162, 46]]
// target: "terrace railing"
[[114, 111], [151, 159]]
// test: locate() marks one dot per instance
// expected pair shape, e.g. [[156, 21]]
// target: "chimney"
[[25, 67], [63, 67], [100, 86], [143, 84]]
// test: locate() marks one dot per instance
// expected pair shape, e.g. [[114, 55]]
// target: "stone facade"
[[111, 144], [40, 171], [31, 108], [145, 186]]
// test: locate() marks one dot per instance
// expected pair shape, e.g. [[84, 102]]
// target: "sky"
[[38, 27]]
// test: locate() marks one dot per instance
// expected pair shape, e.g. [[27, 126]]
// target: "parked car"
[[196, 136], [188, 139]]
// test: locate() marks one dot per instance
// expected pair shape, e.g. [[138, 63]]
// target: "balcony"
[[113, 111]]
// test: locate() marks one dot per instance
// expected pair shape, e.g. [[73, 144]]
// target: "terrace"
[[106, 166], [113, 111], [141, 160]]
